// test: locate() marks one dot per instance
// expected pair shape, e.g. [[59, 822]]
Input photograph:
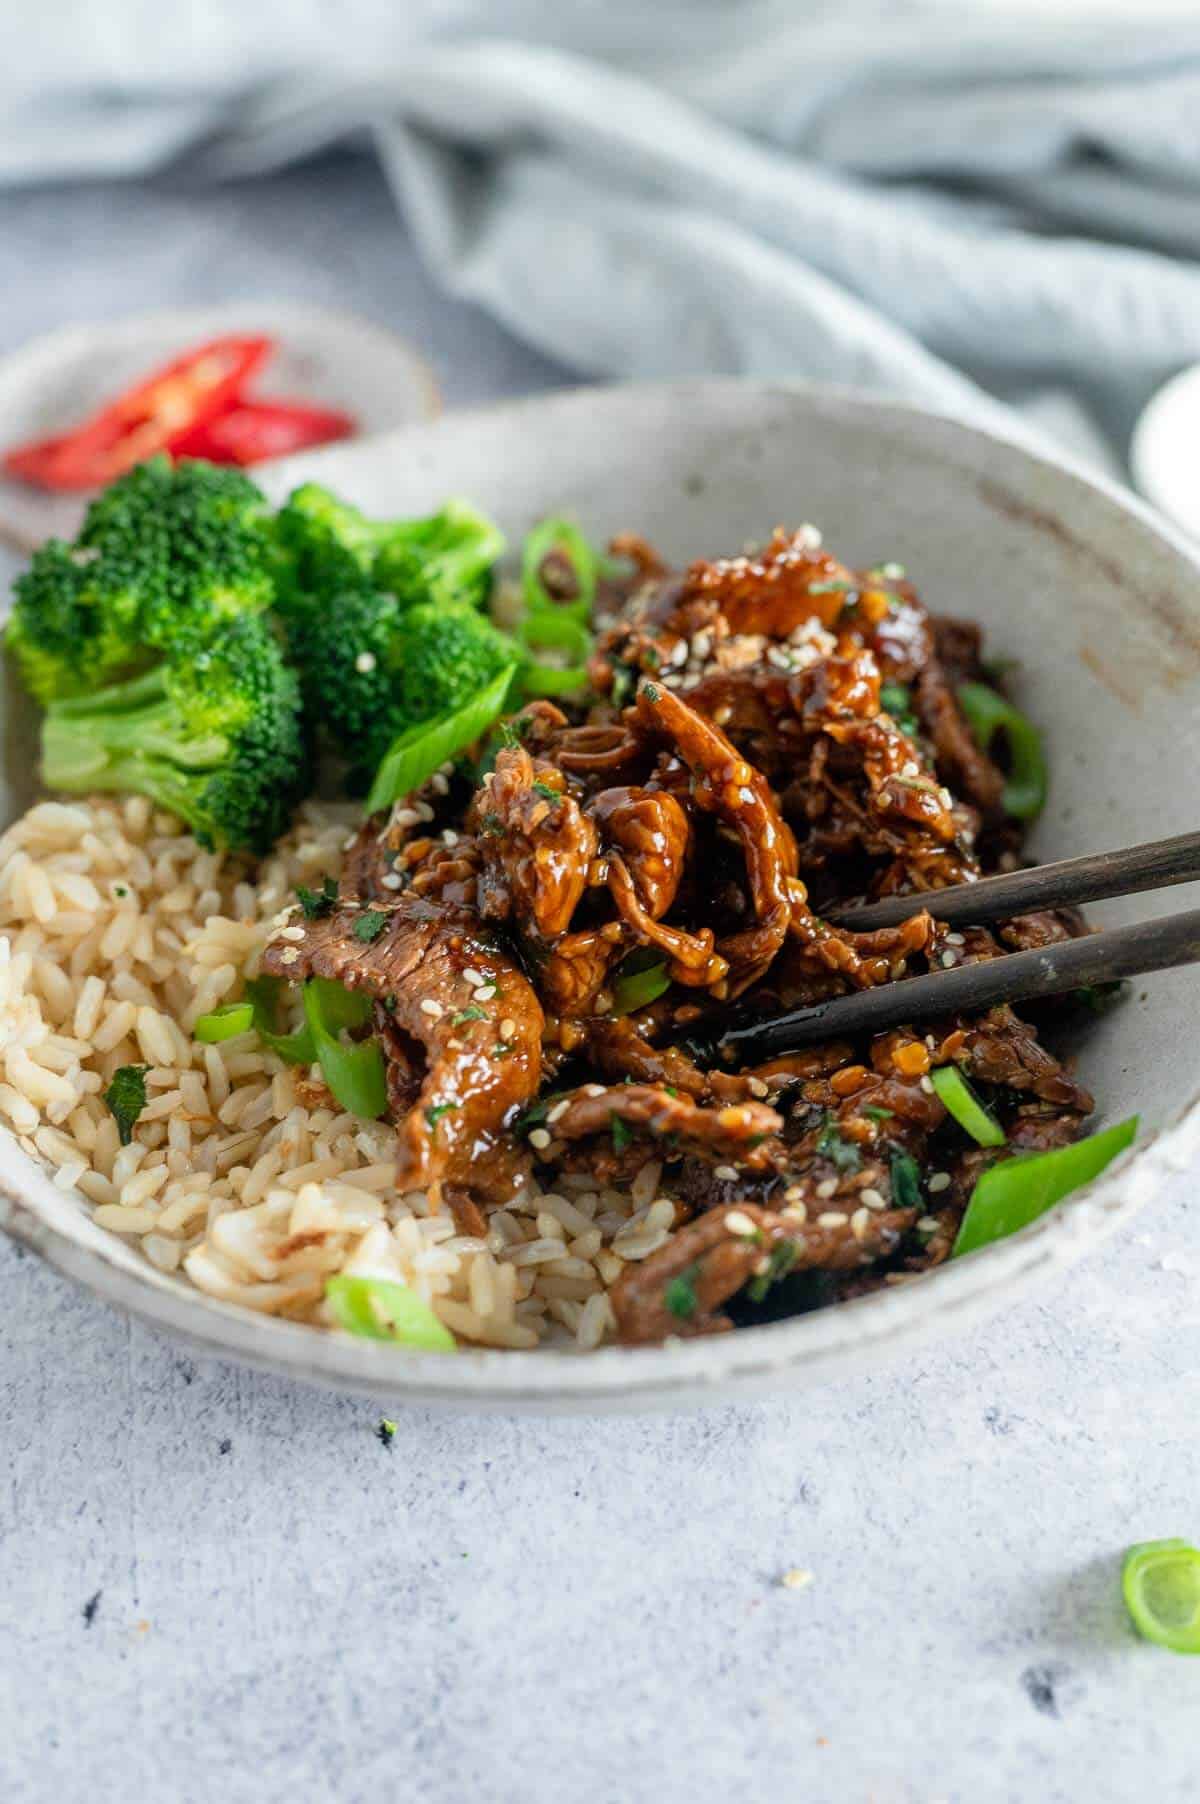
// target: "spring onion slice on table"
[[1161, 1584], [1012, 1194], [988, 713], [377, 1309], [961, 1101], [419, 752]]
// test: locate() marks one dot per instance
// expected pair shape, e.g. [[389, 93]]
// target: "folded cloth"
[[976, 212]]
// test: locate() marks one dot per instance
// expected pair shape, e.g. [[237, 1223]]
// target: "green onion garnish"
[[680, 1294], [554, 631], [419, 752], [355, 1073], [565, 538], [961, 1101], [377, 1309], [1161, 1583], [622, 1133], [906, 1181], [224, 1023], [634, 989], [987, 714], [294, 1048], [1010, 1195]]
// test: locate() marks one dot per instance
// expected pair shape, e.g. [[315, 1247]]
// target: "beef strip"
[[481, 1058]]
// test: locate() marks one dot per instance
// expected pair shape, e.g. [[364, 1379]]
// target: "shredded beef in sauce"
[[769, 734]]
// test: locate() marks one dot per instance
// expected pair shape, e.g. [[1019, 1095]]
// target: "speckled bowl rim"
[[755, 1361]]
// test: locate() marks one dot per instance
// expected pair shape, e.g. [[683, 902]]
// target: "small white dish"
[[331, 359], [1165, 452], [1098, 601]]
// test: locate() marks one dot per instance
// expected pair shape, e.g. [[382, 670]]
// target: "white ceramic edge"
[[691, 1373], [1164, 453]]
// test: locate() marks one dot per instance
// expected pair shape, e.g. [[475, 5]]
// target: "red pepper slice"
[[249, 432], [145, 419]]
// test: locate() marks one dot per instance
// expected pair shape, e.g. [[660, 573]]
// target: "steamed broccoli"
[[164, 557], [330, 546], [215, 738], [371, 668]]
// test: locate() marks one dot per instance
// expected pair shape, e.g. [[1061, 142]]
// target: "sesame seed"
[[757, 1087], [365, 662], [827, 1188], [449, 836], [560, 1108], [810, 536], [832, 1218], [949, 959], [911, 769], [508, 1028], [794, 1212], [291, 933], [424, 811], [927, 1085], [593, 1089], [737, 1223], [745, 795], [539, 1138], [407, 817], [860, 1221], [288, 956], [432, 1008], [794, 1193], [439, 784], [956, 939], [679, 652], [929, 1224], [796, 1578], [485, 992], [722, 714], [472, 977], [870, 1199], [726, 1172], [940, 1180], [391, 881]]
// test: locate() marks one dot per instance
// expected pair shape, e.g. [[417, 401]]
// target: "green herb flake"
[[547, 791], [386, 1432], [906, 1181], [834, 586], [472, 1012], [680, 1294], [501, 1049], [621, 1133], [651, 658], [493, 825], [780, 1261], [126, 1098], [434, 1115], [874, 1113], [840, 1152], [650, 692], [119, 889], [316, 903], [369, 925]]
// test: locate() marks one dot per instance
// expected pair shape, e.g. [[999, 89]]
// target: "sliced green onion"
[[1161, 1583], [419, 752], [987, 713], [377, 1309], [294, 1048], [543, 630], [634, 989], [224, 1023], [961, 1102], [565, 537], [1010, 1195], [355, 1073]]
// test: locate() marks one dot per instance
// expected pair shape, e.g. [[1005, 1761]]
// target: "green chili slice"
[[564, 537], [377, 1309], [419, 752], [1010, 1195], [961, 1102], [224, 1023], [1161, 1583], [987, 714]]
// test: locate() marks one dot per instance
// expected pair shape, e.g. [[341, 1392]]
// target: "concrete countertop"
[[219, 1586]]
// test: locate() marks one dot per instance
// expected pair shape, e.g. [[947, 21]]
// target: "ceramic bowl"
[[1071, 577]]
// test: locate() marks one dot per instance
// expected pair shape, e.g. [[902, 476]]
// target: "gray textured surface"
[[523, 1610]]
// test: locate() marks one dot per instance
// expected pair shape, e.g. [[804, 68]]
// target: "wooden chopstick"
[[967, 989], [1155, 865]]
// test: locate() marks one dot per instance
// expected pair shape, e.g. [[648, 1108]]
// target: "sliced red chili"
[[249, 432], [183, 394]]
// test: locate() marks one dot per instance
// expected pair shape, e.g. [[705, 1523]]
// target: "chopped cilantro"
[[670, 1090], [386, 1432], [315, 903], [369, 925], [906, 1181], [650, 657], [472, 1012], [622, 685], [896, 699], [680, 1294], [547, 791], [650, 692], [621, 1134], [834, 586], [780, 1261], [873, 1113], [512, 732], [119, 889], [434, 1115], [492, 823], [840, 1152], [126, 1098]]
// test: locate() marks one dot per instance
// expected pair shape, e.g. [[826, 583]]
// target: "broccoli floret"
[[164, 557], [216, 738], [330, 546], [372, 668]]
